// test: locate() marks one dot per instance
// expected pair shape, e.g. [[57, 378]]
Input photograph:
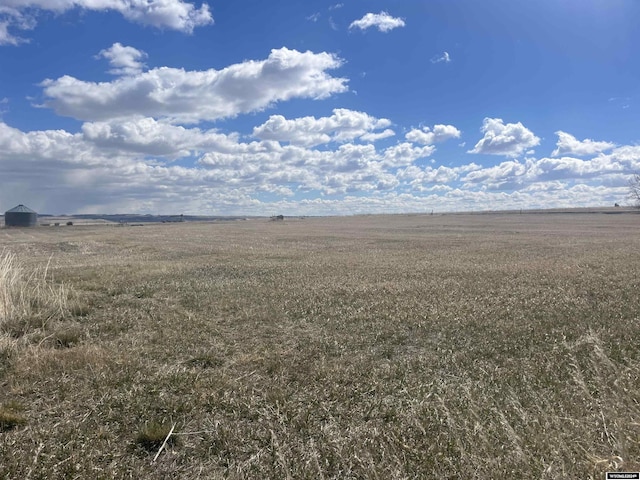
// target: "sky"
[[314, 107]]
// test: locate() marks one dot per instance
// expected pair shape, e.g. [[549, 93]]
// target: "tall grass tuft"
[[28, 298]]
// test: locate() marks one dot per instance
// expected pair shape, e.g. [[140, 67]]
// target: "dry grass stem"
[[373, 347], [164, 443]]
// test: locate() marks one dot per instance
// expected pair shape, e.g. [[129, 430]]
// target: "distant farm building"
[[20, 216]]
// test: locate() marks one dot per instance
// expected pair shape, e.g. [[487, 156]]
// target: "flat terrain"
[[405, 346]]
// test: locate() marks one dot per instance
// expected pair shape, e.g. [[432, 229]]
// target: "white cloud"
[[568, 145], [3, 106], [39, 144], [172, 14], [124, 60], [375, 136], [427, 136], [443, 57], [516, 174], [382, 21], [405, 154], [510, 140], [62, 172], [512, 171], [344, 125], [11, 17], [349, 168], [193, 96], [125, 166], [336, 6], [149, 137], [7, 38], [428, 178]]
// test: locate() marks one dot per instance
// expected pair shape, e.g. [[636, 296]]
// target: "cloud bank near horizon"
[[138, 166]]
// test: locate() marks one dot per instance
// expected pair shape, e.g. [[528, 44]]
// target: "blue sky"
[[289, 107]]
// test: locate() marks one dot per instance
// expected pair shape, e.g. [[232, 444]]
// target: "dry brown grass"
[[28, 300], [458, 346]]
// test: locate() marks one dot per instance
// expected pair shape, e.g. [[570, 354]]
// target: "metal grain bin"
[[20, 216]]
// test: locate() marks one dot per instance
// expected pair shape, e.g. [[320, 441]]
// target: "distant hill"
[[137, 218]]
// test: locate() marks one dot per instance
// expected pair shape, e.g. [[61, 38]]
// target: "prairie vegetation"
[[458, 346]]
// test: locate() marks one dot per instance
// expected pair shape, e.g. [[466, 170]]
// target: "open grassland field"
[[381, 347]]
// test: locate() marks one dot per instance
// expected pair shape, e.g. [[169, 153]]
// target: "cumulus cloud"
[[428, 136], [193, 96], [148, 165], [344, 125], [443, 57], [621, 163], [171, 14], [405, 154], [349, 168], [124, 60], [382, 21], [130, 159], [149, 137], [429, 178], [568, 145], [39, 144], [375, 136], [510, 140], [70, 172], [509, 172]]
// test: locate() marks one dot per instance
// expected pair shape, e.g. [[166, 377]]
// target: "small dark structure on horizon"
[[20, 216]]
